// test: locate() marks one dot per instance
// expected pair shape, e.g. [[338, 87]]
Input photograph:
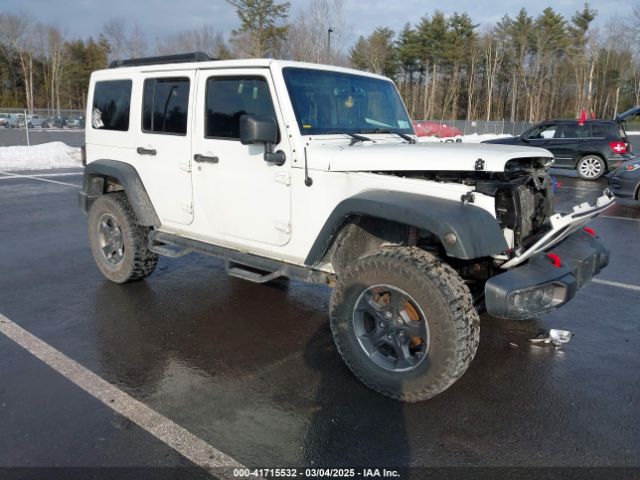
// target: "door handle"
[[146, 151], [204, 159]]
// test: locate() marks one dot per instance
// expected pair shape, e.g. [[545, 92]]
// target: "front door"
[[238, 195]]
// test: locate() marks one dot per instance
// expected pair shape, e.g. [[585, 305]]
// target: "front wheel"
[[591, 167], [118, 242], [404, 323]]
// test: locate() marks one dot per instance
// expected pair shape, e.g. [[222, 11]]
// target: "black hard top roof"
[[179, 58]]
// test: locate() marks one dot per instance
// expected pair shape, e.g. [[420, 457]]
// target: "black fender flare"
[[477, 231], [131, 182]]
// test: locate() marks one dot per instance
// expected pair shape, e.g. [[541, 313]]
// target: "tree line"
[[522, 68]]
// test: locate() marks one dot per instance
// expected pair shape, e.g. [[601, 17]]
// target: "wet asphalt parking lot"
[[251, 370]]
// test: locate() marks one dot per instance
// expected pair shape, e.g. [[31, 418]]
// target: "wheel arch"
[[385, 216], [104, 176]]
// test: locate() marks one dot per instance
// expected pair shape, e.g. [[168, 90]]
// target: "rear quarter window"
[[111, 105], [601, 130]]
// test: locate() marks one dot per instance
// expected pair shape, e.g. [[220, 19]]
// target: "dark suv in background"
[[592, 148]]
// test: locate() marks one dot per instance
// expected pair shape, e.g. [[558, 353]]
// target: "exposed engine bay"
[[523, 195]]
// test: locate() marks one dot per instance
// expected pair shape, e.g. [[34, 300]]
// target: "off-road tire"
[[137, 260], [591, 167], [453, 322]]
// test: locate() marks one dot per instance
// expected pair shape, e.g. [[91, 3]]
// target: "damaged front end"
[[550, 255], [553, 254]]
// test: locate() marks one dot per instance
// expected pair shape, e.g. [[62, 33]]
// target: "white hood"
[[380, 157]]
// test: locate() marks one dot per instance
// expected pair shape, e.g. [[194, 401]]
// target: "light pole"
[[329, 44]]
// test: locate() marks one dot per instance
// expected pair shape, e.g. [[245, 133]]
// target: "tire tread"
[[460, 304]]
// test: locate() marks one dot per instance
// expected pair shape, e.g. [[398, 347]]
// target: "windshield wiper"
[[355, 138], [404, 136]]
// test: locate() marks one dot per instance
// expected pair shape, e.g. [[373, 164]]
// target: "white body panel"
[[241, 197], [242, 202], [387, 155]]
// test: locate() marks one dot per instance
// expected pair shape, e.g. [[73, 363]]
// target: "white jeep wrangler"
[[312, 173]]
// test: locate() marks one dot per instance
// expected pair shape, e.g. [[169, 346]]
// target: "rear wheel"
[[591, 167], [118, 242], [404, 323]]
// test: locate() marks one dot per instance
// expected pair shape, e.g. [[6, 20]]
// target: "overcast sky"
[[81, 18]]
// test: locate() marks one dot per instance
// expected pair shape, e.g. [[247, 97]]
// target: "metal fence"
[[482, 127], [25, 127]]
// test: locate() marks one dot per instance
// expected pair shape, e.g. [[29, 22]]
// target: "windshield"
[[335, 102]]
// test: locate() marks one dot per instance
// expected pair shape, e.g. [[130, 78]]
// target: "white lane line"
[[15, 175], [165, 430], [46, 175], [635, 288], [619, 218]]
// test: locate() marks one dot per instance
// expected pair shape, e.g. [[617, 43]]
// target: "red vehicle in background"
[[425, 128]]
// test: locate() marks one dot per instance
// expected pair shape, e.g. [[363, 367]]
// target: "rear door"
[[164, 149], [567, 143]]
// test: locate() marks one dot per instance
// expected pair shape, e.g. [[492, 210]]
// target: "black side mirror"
[[255, 129]]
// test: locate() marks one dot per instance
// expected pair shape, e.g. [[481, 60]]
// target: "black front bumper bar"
[[548, 280]]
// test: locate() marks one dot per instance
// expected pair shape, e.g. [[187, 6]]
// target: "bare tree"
[[16, 39], [137, 43], [308, 35], [493, 55], [52, 42], [125, 41], [204, 39], [114, 30]]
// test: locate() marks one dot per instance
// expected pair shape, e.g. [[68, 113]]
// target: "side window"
[[165, 105], [228, 98], [573, 130], [111, 104], [601, 130], [543, 131]]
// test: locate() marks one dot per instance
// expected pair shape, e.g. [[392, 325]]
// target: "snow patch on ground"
[[472, 138], [40, 157]]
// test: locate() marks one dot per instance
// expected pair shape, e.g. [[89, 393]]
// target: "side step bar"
[[253, 275], [238, 264]]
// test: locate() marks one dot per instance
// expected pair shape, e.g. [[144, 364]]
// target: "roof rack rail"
[[179, 58]]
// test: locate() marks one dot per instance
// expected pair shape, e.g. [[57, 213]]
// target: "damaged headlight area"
[[538, 299], [547, 280]]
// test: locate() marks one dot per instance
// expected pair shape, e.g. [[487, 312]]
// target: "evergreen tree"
[[262, 26]]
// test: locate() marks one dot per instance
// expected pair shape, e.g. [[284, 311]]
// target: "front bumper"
[[541, 285]]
